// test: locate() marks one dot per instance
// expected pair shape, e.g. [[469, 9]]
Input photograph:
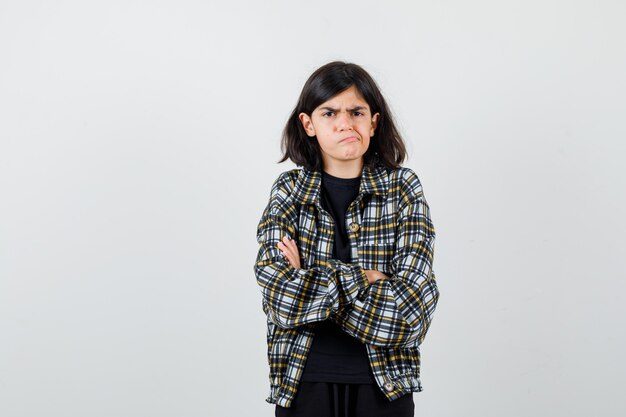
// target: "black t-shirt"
[[335, 356]]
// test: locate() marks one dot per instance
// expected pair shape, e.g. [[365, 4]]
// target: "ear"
[[374, 123], [307, 124]]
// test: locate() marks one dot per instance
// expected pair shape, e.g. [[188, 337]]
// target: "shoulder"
[[406, 182], [282, 189], [286, 180]]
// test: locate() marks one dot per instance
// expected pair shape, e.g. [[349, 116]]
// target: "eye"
[[327, 114], [358, 113]]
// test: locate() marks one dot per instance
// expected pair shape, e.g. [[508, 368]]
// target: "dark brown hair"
[[386, 146]]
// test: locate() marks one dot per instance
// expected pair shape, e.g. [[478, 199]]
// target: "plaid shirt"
[[390, 230]]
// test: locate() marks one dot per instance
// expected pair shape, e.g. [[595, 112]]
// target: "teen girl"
[[345, 257]]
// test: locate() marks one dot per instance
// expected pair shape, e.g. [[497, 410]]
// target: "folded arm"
[[397, 312], [294, 296]]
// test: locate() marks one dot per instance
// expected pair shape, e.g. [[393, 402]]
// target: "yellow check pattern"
[[390, 230]]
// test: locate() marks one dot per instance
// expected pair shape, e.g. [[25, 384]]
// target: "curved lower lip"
[[350, 139]]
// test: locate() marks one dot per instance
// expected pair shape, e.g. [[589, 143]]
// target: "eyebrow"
[[352, 109]]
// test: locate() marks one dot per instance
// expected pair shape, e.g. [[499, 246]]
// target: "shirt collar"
[[374, 180]]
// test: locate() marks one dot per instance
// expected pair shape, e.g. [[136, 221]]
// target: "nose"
[[344, 121]]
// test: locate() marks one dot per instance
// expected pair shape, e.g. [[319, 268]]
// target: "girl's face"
[[343, 126]]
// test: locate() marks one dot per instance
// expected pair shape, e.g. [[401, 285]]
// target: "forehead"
[[349, 97]]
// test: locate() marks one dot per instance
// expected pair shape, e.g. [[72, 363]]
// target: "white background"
[[139, 141]]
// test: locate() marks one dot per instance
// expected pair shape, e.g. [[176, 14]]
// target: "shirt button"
[[389, 386], [354, 227]]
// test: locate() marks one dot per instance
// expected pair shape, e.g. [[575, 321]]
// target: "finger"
[[289, 242], [291, 260], [290, 250], [291, 257], [293, 247], [287, 250]]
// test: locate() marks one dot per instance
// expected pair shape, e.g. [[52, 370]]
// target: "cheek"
[[365, 129], [326, 145]]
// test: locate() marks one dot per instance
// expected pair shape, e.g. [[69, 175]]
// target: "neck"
[[345, 169]]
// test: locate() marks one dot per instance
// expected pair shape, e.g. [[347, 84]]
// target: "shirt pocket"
[[378, 256]]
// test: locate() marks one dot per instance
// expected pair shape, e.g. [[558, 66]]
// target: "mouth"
[[349, 139]]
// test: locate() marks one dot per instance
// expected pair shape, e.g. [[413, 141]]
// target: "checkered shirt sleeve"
[[397, 312], [293, 296]]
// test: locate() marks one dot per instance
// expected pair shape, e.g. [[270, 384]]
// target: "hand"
[[290, 250], [374, 275]]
